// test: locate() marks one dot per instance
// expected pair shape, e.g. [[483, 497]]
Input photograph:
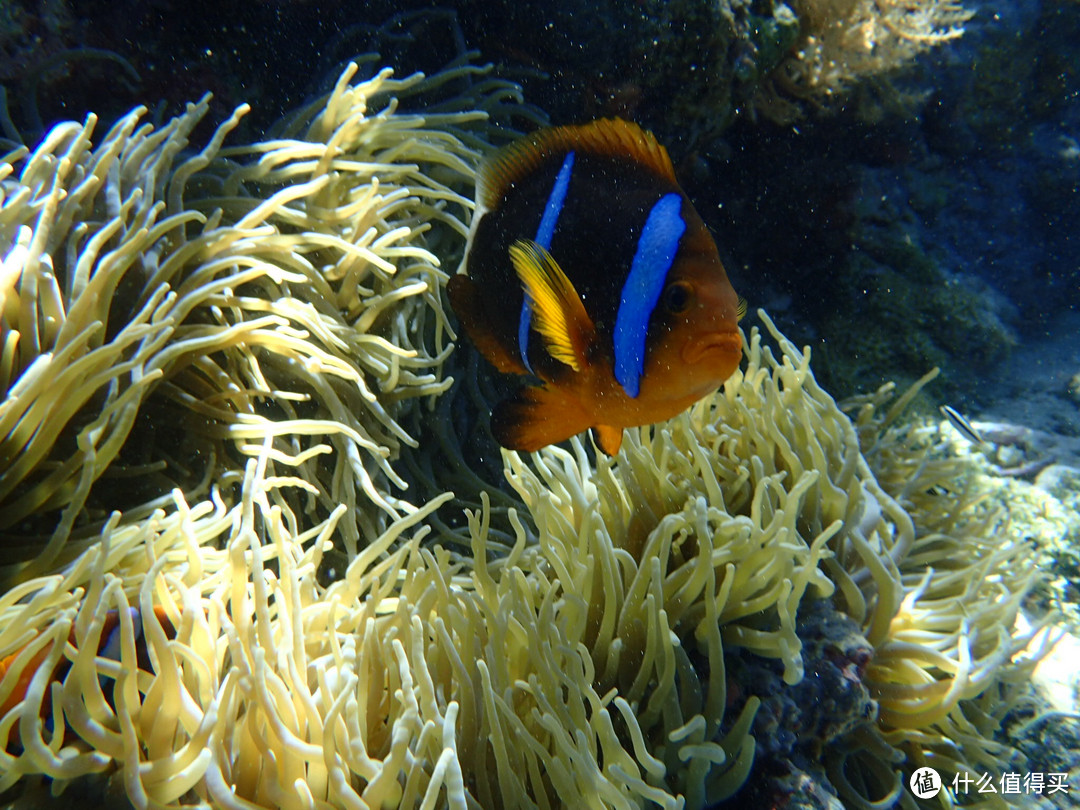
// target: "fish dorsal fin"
[[557, 311], [607, 137]]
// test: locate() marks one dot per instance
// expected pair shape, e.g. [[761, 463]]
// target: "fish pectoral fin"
[[463, 298], [607, 438], [557, 311], [536, 416]]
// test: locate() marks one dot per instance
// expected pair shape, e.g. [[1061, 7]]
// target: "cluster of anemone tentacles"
[[162, 317]]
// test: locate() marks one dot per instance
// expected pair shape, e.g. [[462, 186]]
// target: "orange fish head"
[[696, 343]]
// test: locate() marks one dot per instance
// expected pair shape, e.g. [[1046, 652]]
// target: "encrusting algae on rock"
[[594, 661]]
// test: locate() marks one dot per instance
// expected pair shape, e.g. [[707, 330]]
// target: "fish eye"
[[677, 297]]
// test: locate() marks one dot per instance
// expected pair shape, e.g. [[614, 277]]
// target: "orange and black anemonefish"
[[108, 646], [587, 268]]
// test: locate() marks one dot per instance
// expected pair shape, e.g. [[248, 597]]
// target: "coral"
[[796, 725], [710, 61], [843, 41]]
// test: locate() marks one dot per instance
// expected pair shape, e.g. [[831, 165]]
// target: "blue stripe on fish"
[[655, 252], [112, 646], [544, 234]]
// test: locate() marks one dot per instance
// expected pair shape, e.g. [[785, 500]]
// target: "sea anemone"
[[160, 321]]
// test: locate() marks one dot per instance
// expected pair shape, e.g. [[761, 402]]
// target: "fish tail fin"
[[464, 299], [536, 416]]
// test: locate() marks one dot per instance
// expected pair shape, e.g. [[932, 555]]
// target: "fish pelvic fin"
[[463, 298], [536, 416], [608, 438], [557, 311]]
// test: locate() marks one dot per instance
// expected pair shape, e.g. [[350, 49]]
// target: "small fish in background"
[[1014, 451], [588, 269], [961, 424]]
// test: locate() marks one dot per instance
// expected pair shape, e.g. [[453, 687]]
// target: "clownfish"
[[109, 646], [587, 268]]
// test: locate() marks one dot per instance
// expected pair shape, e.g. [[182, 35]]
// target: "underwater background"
[[821, 584], [929, 186]]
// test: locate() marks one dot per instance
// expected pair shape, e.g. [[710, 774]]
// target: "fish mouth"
[[715, 346]]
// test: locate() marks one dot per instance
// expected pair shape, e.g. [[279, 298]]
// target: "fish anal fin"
[[463, 298], [557, 311], [536, 416], [607, 137], [608, 438]]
